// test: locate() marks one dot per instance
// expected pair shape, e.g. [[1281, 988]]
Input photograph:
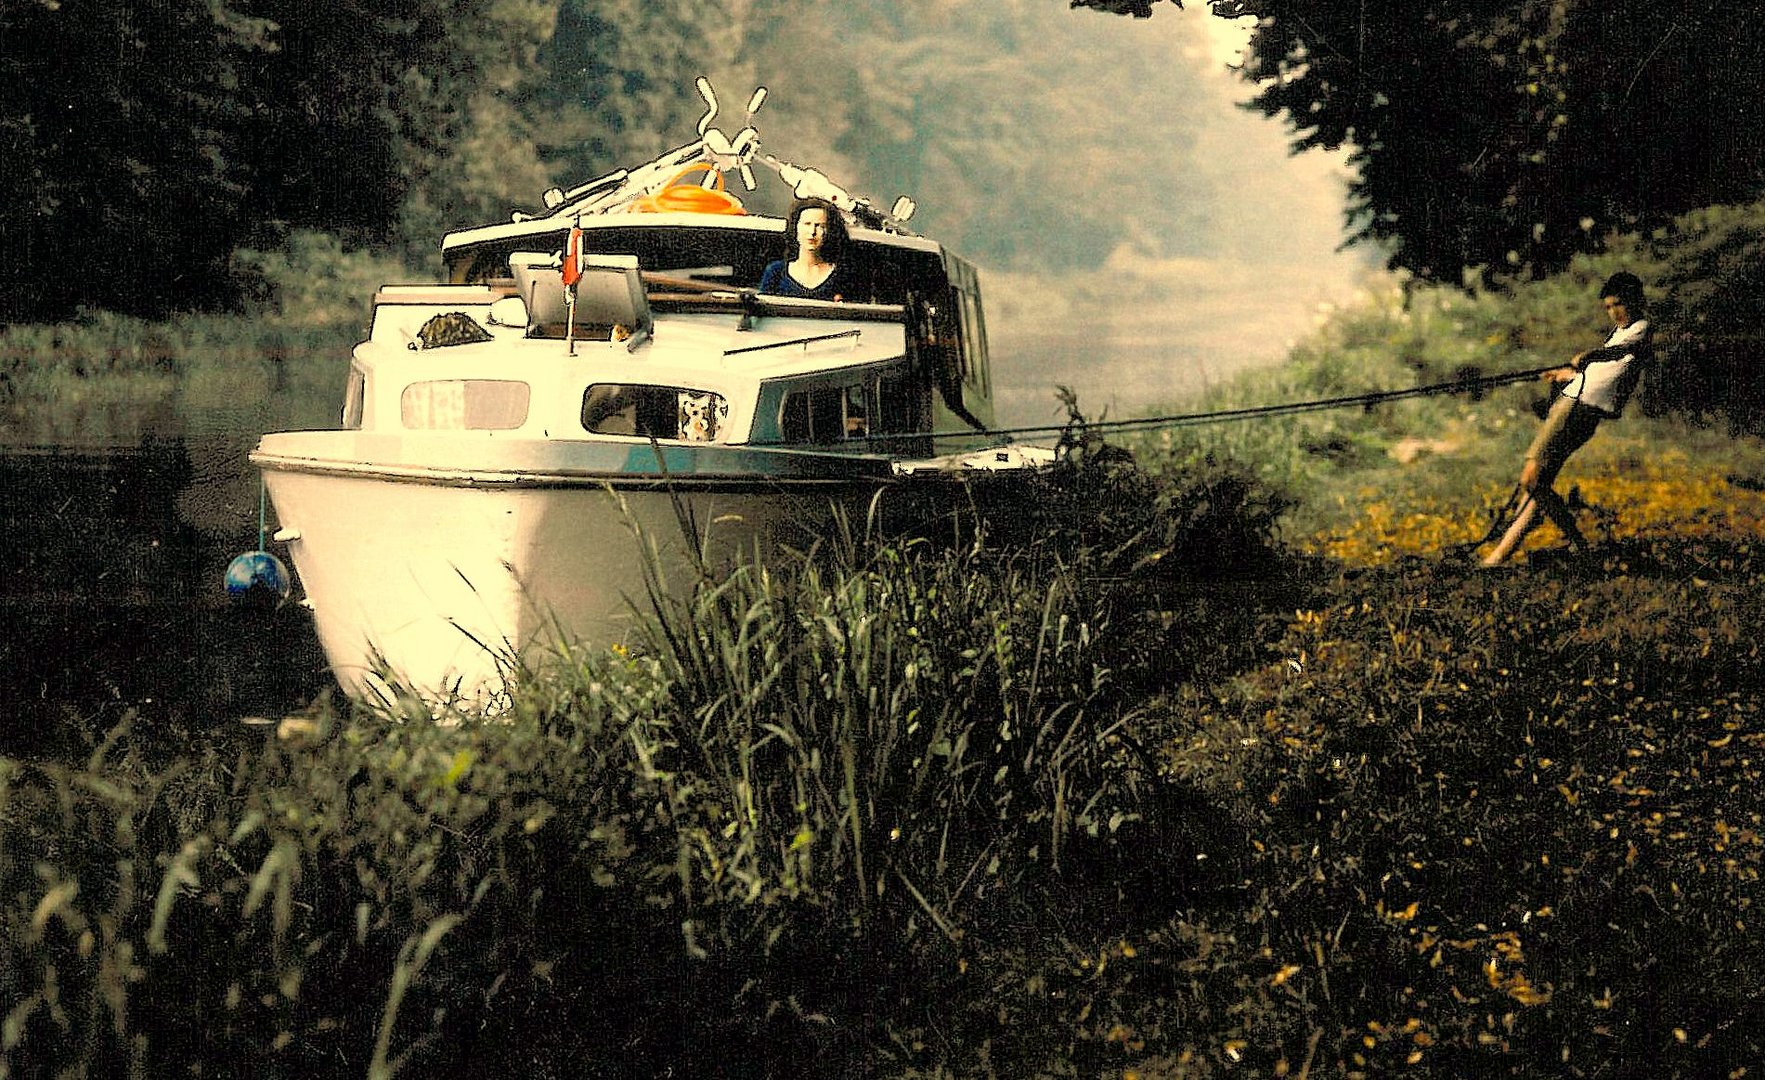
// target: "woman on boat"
[[815, 243], [1598, 383]]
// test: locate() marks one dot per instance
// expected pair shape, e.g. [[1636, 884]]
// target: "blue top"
[[776, 280]]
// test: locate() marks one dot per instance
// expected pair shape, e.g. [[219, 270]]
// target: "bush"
[[1207, 518]]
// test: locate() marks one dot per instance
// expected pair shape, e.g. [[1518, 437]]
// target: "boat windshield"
[[726, 258]]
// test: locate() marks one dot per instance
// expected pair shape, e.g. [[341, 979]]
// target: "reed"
[[903, 728], [802, 793]]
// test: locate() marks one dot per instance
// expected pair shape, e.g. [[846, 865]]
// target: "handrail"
[[793, 341]]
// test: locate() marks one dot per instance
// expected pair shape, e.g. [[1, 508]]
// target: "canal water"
[[111, 591]]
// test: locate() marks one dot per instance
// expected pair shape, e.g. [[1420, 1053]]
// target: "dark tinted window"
[[662, 412], [877, 405]]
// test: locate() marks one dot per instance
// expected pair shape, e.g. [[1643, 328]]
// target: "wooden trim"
[[472, 295]]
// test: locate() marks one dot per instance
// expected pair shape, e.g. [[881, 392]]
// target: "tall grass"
[[916, 730]]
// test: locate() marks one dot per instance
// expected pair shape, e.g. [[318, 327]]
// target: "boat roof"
[[749, 223]]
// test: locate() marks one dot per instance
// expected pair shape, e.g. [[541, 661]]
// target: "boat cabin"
[[666, 338], [939, 289]]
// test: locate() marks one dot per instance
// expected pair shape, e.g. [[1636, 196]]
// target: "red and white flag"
[[573, 258]]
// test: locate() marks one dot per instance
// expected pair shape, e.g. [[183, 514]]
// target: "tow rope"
[[1290, 408], [1366, 400]]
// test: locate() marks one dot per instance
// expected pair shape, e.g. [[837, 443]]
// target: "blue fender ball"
[[257, 575]]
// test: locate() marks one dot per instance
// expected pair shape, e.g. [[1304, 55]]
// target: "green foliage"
[[1205, 518], [1710, 263], [959, 106], [1479, 826], [108, 378], [617, 78], [218, 127], [950, 103], [480, 148], [1494, 141], [1023, 805], [191, 129], [120, 130], [916, 733], [1696, 269], [1497, 137]]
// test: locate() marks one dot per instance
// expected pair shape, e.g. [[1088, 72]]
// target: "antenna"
[[704, 87], [721, 154]]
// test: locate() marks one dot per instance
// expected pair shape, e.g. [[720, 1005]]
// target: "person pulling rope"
[[1597, 384]]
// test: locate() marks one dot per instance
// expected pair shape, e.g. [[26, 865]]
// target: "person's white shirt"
[[1606, 384]]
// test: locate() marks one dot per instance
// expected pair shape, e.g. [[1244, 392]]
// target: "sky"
[[1149, 331]]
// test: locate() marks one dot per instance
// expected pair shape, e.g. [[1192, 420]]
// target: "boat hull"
[[437, 577]]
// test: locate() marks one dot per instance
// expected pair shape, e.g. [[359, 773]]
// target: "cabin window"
[[860, 414], [879, 405], [897, 406], [661, 412], [354, 398], [977, 343], [958, 331], [816, 415], [464, 405], [973, 339]]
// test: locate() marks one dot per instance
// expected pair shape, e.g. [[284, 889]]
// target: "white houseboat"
[[503, 433]]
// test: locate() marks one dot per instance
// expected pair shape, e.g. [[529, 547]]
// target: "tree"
[[365, 116], [957, 105], [620, 79], [119, 145], [1496, 136], [142, 144], [487, 154], [952, 103]]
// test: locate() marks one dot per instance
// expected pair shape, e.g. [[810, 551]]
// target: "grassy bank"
[[1410, 476]]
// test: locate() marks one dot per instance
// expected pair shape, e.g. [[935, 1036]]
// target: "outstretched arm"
[[1623, 345]]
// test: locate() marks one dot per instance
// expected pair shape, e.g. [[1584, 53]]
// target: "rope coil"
[[678, 196]]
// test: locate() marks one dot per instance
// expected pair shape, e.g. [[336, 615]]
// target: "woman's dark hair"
[[833, 243], [1626, 286]]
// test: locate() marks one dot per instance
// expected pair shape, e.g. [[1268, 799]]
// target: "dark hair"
[[833, 244], [1626, 286]]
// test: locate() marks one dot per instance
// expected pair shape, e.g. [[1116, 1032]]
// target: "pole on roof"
[[571, 272], [570, 320]]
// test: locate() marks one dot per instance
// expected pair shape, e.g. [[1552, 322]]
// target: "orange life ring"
[[681, 197]]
